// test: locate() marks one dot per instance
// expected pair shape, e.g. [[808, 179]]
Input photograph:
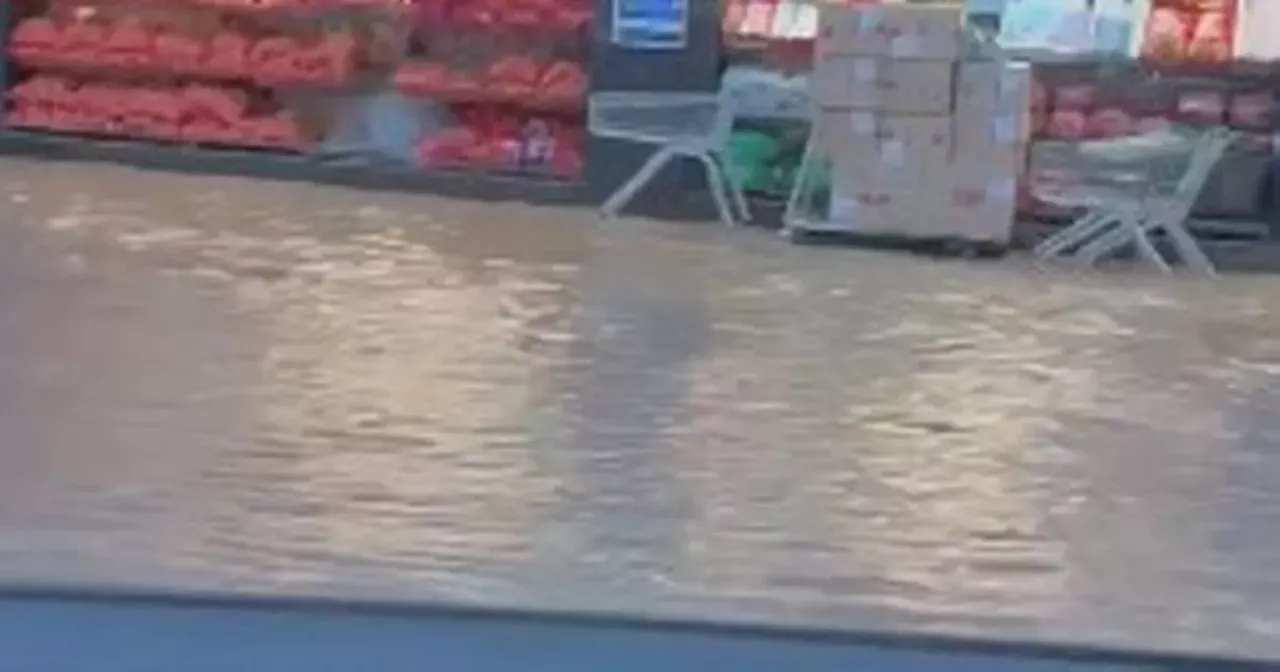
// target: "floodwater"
[[228, 385]]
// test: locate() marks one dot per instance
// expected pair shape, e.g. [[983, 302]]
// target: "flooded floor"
[[226, 384]]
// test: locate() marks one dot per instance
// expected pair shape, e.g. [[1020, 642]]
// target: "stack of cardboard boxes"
[[924, 140]]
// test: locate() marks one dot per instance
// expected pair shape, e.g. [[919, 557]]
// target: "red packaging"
[[1075, 97], [1167, 34], [448, 148], [280, 130], [271, 59], [178, 52], [223, 106], [1110, 122], [1211, 37], [34, 38], [514, 77], [128, 44], [1067, 125], [81, 41], [422, 77], [228, 54], [563, 82]]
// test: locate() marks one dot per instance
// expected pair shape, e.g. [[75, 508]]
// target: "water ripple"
[[209, 384]]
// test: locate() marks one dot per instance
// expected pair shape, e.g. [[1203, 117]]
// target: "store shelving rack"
[[608, 162]]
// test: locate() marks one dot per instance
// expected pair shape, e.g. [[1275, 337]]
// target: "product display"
[[922, 139], [512, 75], [1078, 101], [192, 113], [1101, 101], [503, 82], [1098, 94], [185, 71], [1197, 30], [494, 138], [131, 46]]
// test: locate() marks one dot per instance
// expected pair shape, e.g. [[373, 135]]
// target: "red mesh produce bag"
[[514, 76], [81, 40], [34, 37], [1168, 31], [422, 77], [1075, 97], [178, 52], [1067, 125], [1109, 122], [1211, 38], [224, 106], [447, 148], [127, 44], [271, 59], [563, 81], [228, 54]]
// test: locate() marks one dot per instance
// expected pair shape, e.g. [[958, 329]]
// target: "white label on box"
[[905, 46], [806, 25], [1004, 130], [1003, 189], [870, 20], [864, 70], [893, 153], [862, 123]]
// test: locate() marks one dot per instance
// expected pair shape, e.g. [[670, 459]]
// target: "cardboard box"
[[917, 87], [842, 132], [900, 31], [979, 203], [855, 150], [992, 114], [873, 208], [929, 31], [973, 203], [991, 139], [885, 85], [848, 82], [840, 33], [866, 146], [994, 86], [912, 145]]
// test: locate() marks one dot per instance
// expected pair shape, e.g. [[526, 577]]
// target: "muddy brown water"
[[225, 384]]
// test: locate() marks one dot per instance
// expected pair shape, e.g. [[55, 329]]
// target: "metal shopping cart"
[[689, 125], [1167, 170]]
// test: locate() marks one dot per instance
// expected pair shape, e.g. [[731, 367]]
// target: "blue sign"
[[651, 24]]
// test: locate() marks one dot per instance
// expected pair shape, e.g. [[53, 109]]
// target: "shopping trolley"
[[1172, 171], [679, 125]]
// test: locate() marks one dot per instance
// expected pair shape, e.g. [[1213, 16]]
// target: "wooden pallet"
[[950, 247]]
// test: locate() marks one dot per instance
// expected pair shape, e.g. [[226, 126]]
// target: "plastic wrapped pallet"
[[922, 142]]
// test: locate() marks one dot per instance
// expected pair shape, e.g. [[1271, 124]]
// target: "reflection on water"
[[263, 386]]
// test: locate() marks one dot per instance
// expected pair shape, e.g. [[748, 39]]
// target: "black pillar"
[[696, 67]]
